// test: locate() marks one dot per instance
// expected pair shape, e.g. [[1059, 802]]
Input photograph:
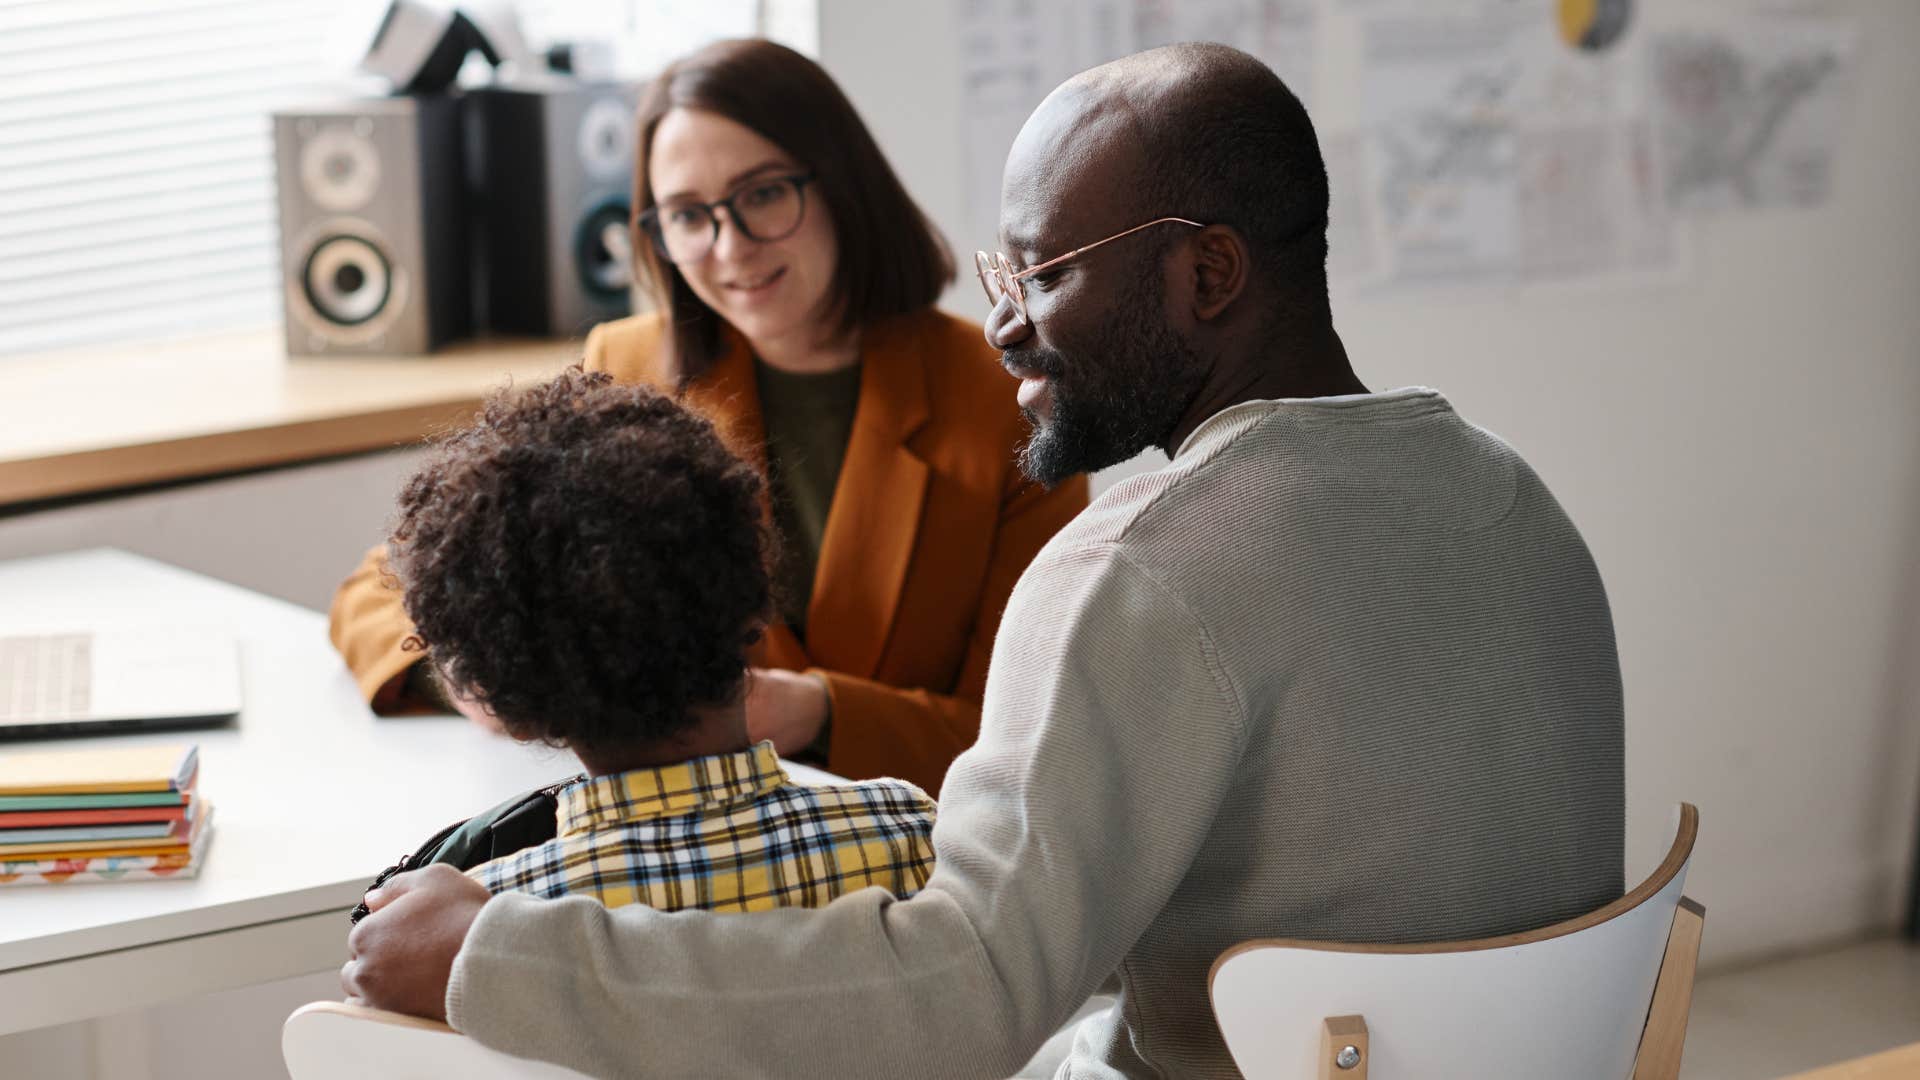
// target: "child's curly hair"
[[588, 560]]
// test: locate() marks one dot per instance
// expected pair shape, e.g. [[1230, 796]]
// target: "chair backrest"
[[331, 1040], [1568, 1000]]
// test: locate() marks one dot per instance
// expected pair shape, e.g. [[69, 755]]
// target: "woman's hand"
[[474, 711], [425, 685], [786, 706]]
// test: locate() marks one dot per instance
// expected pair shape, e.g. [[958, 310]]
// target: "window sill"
[[85, 421]]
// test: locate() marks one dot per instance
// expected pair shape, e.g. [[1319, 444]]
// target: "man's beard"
[[1115, 399]]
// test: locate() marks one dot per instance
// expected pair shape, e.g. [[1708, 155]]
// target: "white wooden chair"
[[331, 1040], [1602, 996]]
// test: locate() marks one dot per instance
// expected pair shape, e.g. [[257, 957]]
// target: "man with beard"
[[1342, 670]]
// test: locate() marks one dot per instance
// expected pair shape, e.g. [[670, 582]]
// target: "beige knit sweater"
[[1343, 670]]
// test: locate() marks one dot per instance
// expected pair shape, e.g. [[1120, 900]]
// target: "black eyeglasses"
[[764, 210]]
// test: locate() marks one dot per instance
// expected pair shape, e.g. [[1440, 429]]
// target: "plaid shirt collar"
[[694, 786]]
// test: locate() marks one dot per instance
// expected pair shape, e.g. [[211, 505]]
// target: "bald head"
[[1202, 168], [1197, 131]]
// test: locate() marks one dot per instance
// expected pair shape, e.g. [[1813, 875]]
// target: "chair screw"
[[1348, 1057]]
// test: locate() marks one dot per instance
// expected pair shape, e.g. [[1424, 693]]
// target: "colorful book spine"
[[135, 799], [100, 771], [12, 838], [47, 819], [109, 813], [105, 868], [177, 837], [183, 836]]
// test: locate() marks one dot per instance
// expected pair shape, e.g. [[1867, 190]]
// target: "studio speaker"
[[373, 228], [555, 164]]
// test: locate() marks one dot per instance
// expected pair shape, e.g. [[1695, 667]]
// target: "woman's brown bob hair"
[[891, 261]]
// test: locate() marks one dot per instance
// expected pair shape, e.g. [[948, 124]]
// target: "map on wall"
[[1749, 116], [1496, 141], [1439, 99], [1500, 152], [1014, 52]]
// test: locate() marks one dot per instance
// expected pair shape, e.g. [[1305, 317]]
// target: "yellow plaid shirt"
[[730, 832]]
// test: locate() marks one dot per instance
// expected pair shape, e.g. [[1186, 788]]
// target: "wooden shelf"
[[93, 420]]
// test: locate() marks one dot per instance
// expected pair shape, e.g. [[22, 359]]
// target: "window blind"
[[136, 167], [136, 145]]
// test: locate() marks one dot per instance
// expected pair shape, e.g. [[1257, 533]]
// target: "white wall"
[[1739, 448], [291, 533]]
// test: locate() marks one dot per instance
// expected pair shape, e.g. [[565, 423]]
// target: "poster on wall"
[[1353, 235], [1281, 33], [1509, 147], [1748, 114], [1439, 100], [1497, 142], [1013, 54]]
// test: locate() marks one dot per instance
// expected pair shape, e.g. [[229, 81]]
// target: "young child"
[[587, 564]]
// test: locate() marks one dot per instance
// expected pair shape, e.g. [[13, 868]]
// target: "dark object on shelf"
[[419, 48], [554, 177]]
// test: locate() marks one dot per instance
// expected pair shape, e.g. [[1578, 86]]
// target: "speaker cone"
[[339, 169], [348, 280], [603, 252], [606, 139]]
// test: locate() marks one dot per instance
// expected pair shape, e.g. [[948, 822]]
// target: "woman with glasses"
[[793, 284]]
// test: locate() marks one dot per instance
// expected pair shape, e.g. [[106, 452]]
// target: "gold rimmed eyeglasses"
[[999, 278]]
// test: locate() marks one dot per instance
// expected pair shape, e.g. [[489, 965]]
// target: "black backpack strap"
[[405, 863], [515, 825]]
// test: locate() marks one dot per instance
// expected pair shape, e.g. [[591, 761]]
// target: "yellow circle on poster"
[[1593, 24]]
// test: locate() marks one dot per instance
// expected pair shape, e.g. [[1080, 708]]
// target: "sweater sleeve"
[[914, 734], [1110, 738]]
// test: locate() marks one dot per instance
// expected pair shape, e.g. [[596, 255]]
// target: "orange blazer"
[[931, 525]]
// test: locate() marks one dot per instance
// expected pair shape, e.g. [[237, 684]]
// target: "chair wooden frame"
[[378, 1016], [497, 1064], [1662, 1039]]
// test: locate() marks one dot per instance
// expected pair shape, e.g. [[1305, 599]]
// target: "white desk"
[[313, 795]]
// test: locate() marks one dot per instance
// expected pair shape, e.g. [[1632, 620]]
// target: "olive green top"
[[808, 420]]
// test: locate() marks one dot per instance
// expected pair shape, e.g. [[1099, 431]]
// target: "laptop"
[[61, 685]]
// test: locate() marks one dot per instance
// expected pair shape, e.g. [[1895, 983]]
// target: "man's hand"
[[786, 706], [401, 956]]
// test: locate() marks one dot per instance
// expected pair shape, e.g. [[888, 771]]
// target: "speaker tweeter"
[[373, 232]]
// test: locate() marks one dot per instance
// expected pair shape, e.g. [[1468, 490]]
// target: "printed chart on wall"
[[1748, 116], [1501, 150], [1497, 142], [1014, 52]]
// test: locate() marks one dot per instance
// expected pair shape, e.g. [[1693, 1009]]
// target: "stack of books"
[[110, 814]]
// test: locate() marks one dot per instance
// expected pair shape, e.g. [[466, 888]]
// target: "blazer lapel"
[[875, 516]]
